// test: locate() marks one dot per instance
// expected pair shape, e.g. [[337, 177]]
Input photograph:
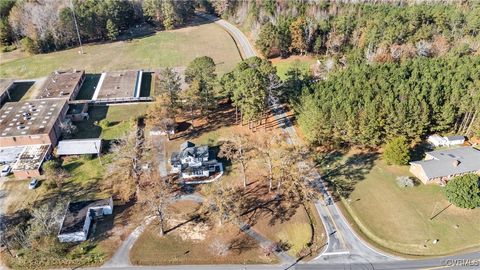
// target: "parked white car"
[[33, 184], [6, 169]]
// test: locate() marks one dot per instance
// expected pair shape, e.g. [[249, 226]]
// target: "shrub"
[[29, 45], [87, 157], [104, 123], [405, 181], [464, 191], [397, 151]]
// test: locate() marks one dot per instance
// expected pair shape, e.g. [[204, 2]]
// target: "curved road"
[[345, 250], [344, 246]]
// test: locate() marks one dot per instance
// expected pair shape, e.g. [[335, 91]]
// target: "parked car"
[[33, 184], [6, 169]]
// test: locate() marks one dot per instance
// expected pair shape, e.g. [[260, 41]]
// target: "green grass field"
[[166, 48], [399, 219], [283, 65]]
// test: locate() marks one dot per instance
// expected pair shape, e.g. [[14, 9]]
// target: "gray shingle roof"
[[79, 147], [443, 162], [455, 138]]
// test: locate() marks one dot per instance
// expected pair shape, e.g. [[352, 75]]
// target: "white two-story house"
[[193, 161]]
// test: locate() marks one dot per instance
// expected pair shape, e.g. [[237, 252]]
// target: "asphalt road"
[[343, 244], [345, 249]]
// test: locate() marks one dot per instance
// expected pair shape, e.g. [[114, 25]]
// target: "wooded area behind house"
[[379, 32]]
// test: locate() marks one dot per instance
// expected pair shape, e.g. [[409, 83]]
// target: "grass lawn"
[[295, 231], [190, 242], [399, 219], [165, 48], [119, 117], [283, 65]]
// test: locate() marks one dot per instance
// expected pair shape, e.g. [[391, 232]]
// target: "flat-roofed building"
[[31, 122], [5, 86], [29, 163], [119, 85], [62, 84]]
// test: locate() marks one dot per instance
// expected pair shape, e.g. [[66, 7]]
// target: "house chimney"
[[456, 162]]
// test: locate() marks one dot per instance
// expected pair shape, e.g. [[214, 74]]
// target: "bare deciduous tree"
[[219, 247], [223, 204], [269, 147], [46, 219], [125, 170], [237, 149], [67, 128], [156, 194]]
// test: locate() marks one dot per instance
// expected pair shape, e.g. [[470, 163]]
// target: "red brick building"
[[31, 122]]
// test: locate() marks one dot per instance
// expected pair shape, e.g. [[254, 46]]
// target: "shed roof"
[[451, 162], [79, 147]]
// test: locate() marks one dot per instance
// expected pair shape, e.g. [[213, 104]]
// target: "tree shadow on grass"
[[88, 128], [242, 243], [343, 176]]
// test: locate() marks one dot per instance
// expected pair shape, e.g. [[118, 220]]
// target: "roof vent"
[[456, 162]]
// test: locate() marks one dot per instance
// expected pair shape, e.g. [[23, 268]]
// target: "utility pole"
[[76, 27]]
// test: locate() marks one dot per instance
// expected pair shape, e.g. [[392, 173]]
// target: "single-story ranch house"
[[440, 166]]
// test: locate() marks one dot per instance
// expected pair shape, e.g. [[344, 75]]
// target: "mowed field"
[[166, 48], [408, 220]]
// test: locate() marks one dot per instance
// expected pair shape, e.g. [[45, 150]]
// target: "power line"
[[76, 26]]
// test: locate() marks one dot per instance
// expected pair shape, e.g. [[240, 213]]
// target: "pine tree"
[[397, 151], [112, 30]]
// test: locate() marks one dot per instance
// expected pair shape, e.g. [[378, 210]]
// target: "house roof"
[[455, 138], [10, 154], [79, 147], [450, 162], [186, 145], [197, 152], [77, 212]]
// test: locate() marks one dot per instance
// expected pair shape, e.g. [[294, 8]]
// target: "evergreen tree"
[[397, 151], [112, 30], [464, 191], [267, 39]]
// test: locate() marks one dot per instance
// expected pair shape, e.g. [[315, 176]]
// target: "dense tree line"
[[383, 31], [47, 25], [368, 104]]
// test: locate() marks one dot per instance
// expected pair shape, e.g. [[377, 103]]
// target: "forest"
[[43, 26], [384, 31], [368, 104]]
